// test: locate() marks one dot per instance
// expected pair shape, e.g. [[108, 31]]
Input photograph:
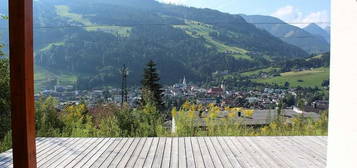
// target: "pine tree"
[[151, 91]]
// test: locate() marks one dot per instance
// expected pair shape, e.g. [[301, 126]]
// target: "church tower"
[[184, 81]]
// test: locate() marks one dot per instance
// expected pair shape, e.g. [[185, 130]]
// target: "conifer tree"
[[151, 91]]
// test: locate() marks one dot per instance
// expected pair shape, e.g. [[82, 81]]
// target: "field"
[[49, 46], [64, 11], [197, 30], [256, 72], [43, 78], [307, 78]]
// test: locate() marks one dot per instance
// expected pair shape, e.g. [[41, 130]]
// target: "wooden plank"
[[228, 151], [159, 153], [151, 155], [136, 154], [212, 142], [107, 153], [266, 152], [46, 146], [215, 157], [43, 143], [197, 153], [315, 152], [9, 162], [190, 159], [318, 140], [167, 153], [207, 159], [7, 156], [75, 156], [284, 154], [174, 161], [144, 153], [322, 138], [265, 156], [249, 152], [117, 150], [181, 153], [129, 153], [71, 150], [53, 147], [22, 83], [90, 152], [97, 153], [313, 143], [39, 146], [56, 151], [316, 157], [297, 151], [116, 160]]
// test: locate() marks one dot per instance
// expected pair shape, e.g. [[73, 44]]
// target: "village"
[[264, 102]]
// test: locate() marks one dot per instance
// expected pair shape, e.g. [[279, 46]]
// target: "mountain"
[[317, 30], [289, 33], [91, 40], [328, 29]]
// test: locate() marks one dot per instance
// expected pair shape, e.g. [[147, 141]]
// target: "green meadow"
[[307, 78]]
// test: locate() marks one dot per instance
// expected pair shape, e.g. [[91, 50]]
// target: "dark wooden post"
[[22, 83]]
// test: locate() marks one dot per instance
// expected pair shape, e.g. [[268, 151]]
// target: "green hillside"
[[307, 78], [258, 71], [198, 29]]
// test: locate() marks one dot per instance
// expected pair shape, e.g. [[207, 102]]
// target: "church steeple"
[[184, 81]]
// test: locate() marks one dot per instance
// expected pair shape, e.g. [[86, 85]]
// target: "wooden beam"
[[22, 83]]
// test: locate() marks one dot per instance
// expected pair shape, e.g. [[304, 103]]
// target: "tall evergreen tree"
[[151, 91]]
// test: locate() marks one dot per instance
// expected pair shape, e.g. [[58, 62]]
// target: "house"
[[320, 104], [215, 91]]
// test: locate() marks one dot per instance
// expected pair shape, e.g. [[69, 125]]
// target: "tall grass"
[[5, 143], [196, 120]]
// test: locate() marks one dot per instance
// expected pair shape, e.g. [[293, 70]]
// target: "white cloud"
[[318, 17], [291, 14]]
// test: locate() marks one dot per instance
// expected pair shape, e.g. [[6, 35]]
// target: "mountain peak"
[[315, 29], [313, 26]]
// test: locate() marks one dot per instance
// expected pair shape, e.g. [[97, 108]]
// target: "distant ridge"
[[311, 43], [317, 30]]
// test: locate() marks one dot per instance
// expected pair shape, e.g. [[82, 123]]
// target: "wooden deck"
[[245, 152]]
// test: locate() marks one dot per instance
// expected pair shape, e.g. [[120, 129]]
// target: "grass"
[[197, 29], [187, 123], [64, 11], [258, 71], [314, 57], [49, 46], [122, 31], [43, 77], [307, 78]]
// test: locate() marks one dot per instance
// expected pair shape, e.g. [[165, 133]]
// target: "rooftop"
[[245, 152]]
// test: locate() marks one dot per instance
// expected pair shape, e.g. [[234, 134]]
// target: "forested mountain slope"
[[93, 39]]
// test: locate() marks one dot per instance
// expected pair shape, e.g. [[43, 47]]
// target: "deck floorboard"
[[173, 152]]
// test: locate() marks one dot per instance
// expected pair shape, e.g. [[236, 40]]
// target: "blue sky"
[[291, 11]]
